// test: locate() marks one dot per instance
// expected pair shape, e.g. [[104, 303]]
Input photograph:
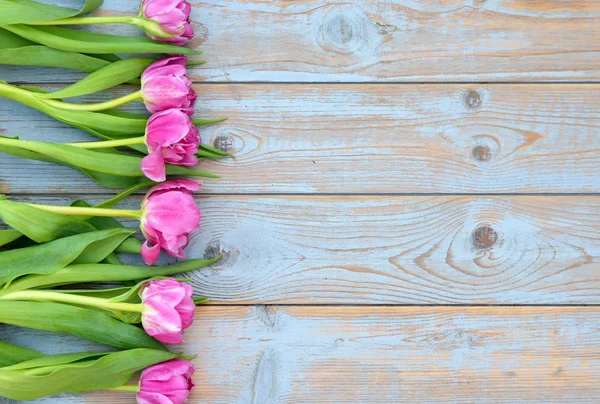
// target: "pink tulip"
[[172, 138], [173, 16], [168, 309], [166, 383], [169, 215], [165, 85]]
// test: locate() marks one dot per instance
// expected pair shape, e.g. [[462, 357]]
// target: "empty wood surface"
[[373, 40], [365, 139], [396, 250], [266, 354]]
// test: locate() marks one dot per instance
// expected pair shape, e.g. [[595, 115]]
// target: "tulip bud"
[[169, 215], [168, 309], [173, 16], [165, 85], [166, 383]]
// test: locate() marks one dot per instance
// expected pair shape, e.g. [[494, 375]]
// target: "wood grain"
[[371, 40], [375, 139], [266, 354], [397, 250]]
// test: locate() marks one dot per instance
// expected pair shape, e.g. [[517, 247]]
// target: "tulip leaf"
[[54, 360], [27, 11], [39, 225], [106, 77], [39, 55], [8, 236], [84, 273], [131, 245], [92, 43], [85, 323], [53, 256], [12, 354], [94, 371]]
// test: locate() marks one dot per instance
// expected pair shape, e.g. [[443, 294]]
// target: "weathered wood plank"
[[398, 250], [370, 40], [389, 354], [368, 139]]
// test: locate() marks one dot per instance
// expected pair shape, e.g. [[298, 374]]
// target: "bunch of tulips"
[[48, 252]]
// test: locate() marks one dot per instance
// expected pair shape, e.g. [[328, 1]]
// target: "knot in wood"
[[344, 31], [482, 153], [484, 238], [473, 99], [224, 143]]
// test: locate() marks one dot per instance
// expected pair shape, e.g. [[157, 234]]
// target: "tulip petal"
[[153, 167], [150, 254]]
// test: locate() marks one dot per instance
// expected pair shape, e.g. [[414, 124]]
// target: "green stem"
[[41, 295], [130, 388], [101, 106], [109, 143], [83, 211], [89, 20], [145, 24]]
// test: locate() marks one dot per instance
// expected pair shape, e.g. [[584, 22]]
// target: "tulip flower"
[[174, 18], [165, 85], [167, 217], [168, 309], [171, 138], [166, 383], [170, 215], [167, 306], [162, 20]]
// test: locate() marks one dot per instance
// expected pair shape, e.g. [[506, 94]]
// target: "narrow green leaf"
[[8, 236], [51, 257], [106, 77], [206, 121], [131, 245], [73, 274], [84, 323], [27, 11], [88, 42], [39, 55], [96, 372], [12, 354]]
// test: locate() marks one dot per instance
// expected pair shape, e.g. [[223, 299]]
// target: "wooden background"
[[413, 211]]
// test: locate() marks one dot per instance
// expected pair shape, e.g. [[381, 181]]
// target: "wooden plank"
[[371, 40], [390, 354], [397, 250], [376, 139]]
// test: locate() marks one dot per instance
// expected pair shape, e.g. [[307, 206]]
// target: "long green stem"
[[109, 143], [145, 24], [83, 211], [42, 295], [101, 106], [130, 388], [89, 20]]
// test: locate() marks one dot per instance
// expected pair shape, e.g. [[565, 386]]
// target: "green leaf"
[[8, 236], [94, 372], [39, 225], [53, 256], [27, 11], [84, 273], [106, 77], [12, 354], [88, 42], [40, 55], [82, 322], [131, 245]]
